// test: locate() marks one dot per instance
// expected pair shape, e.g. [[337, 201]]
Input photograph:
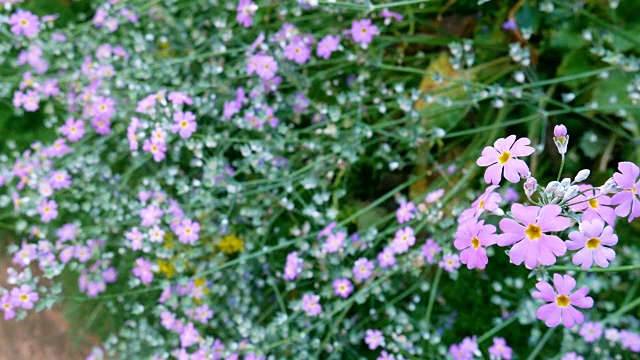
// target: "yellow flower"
[[167, 268], [231, 244]]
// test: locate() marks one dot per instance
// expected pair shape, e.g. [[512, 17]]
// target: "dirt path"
[[42, 336]]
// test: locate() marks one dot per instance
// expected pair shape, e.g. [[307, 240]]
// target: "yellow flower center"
[[534, 232], [154, 148], [593, 203], [103, 108], [593, 243], [187, 231], [475, 242], [24, 297], [24, 22], [635, 189], [481, 204], [47, 209], [504, 157], [563, 300], [183, 124], [343, 288]]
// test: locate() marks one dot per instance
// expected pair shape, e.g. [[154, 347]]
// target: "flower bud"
[[530, 186], [609, 187], [552, 186], [560, 131], [572, 192], [582, 175], [561, 139], [565, 182]]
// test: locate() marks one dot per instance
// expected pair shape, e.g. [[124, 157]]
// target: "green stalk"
[[540, 345], [432, 296]]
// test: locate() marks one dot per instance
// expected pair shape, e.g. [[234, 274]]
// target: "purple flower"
[[24, 297], [334, 242], [188, 231], [384, 355], [298, 51], [386, 258], [292, 267], [457, 352], [179, 98], [390, 15], [24, 23], [202, 313], [263, 65], [362, 31], [373, 338], [82, 253], [591, 331], [488, 201], [500, 350], [627, 200], [135, 236], [48, 210], [630, 341], [246, 9], [591, 240], [472, 238], [503, 155], [510, 25], [429, 250], [7, 305], [143, 271], [311, 304], [157, 149], [184, 123], [327, 46], [434, 196], [403, 240], [189, 336], [572, 356], [73, 129], [342, 287], [450, 262], [151, 215], [594, 204], [60, 180], [405, 212], [532, 245], [362, 269], [561, 303]]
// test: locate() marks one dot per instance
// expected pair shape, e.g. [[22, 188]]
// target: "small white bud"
[[582, 175], [572, 191], [552, 186]]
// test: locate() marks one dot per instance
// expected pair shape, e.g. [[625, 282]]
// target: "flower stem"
[[497, 328], [561, 168], [541, 343], [432, 296]]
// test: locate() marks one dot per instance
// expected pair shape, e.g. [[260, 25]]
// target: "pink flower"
[[264, 65], [342, 287], [405, 212], [403, 240], [429, 250], [179, 98], [311, 304], [434, 196], [472, 238], [292, 267], [362, 31], [591, 331], [386, 258], [373, 339], [143, 270], [503, 155], [48, 210], [532, 245], [362, 269], [188, 231], [157, 149], [334, 242], [184, 123], [327, 46], [7, 305], [189, 336], [561, 307], [24, 23], [450, 262], [24, 297], [500, 350], [298, 51], [246, 9], [594, 204], [488, 201], [590, 239], [627, 200]]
